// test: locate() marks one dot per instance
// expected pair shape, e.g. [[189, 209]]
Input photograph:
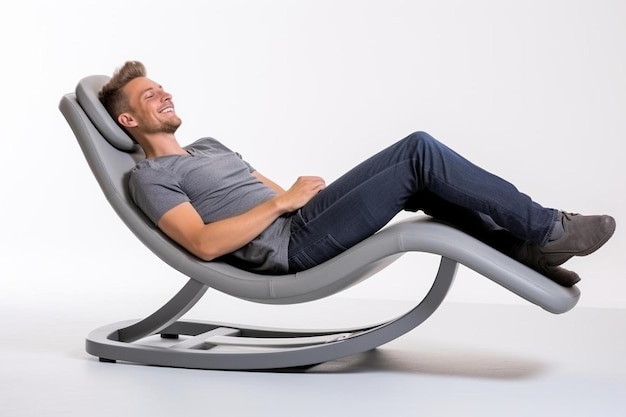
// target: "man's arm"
[[209, 241], [277, 188]]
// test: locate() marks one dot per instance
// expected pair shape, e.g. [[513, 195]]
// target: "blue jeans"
[[416, 173]]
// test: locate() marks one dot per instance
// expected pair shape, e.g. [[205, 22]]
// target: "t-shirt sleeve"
[[155, 191], [250, 167]]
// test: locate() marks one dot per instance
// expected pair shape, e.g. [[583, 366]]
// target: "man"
[[216, 205]]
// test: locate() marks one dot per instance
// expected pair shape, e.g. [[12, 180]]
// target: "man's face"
[[151, 108]]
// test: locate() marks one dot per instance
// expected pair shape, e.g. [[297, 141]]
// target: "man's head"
[[137, 103]]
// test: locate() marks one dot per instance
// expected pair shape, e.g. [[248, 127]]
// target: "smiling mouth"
[[168, 109]]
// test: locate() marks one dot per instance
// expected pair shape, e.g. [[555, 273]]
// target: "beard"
[[168, 126]]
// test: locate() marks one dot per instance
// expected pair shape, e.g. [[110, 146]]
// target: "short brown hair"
[[111, 94]]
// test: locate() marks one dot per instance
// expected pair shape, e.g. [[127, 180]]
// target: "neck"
[[160, 145]]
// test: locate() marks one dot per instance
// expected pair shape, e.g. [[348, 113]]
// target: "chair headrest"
[[87, 96]]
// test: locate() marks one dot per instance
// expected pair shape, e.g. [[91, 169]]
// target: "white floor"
[[466, 360]]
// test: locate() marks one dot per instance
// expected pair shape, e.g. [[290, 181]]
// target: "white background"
[[534, 91]]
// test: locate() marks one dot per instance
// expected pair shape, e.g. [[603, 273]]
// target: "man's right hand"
[[300, 193]]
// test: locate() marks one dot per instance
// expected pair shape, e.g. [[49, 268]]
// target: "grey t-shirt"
[[219, 184]]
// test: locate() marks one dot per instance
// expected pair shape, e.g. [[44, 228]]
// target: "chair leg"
[[181, 303], [208, 345]]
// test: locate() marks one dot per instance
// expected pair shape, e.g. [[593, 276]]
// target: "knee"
[[420, 136], [419, 139]]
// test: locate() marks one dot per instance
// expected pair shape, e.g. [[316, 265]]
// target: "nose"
[[165, 96]]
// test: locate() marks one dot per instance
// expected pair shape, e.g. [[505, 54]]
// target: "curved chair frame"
[[111, 154]]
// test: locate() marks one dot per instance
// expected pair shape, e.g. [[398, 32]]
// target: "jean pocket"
[[315, 254], [297, 221]]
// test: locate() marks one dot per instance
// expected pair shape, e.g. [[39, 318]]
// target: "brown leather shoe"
[[528, 254], [583, 235], [562, 276]]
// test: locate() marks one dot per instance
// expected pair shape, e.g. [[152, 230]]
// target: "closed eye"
[[150, 93]]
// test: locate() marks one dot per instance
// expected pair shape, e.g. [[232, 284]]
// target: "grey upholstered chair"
[[111, 154]]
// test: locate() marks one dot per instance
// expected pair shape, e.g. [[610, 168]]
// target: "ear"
[[126, 120]]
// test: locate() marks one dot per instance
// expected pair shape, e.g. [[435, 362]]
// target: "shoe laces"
[[569, 215]]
